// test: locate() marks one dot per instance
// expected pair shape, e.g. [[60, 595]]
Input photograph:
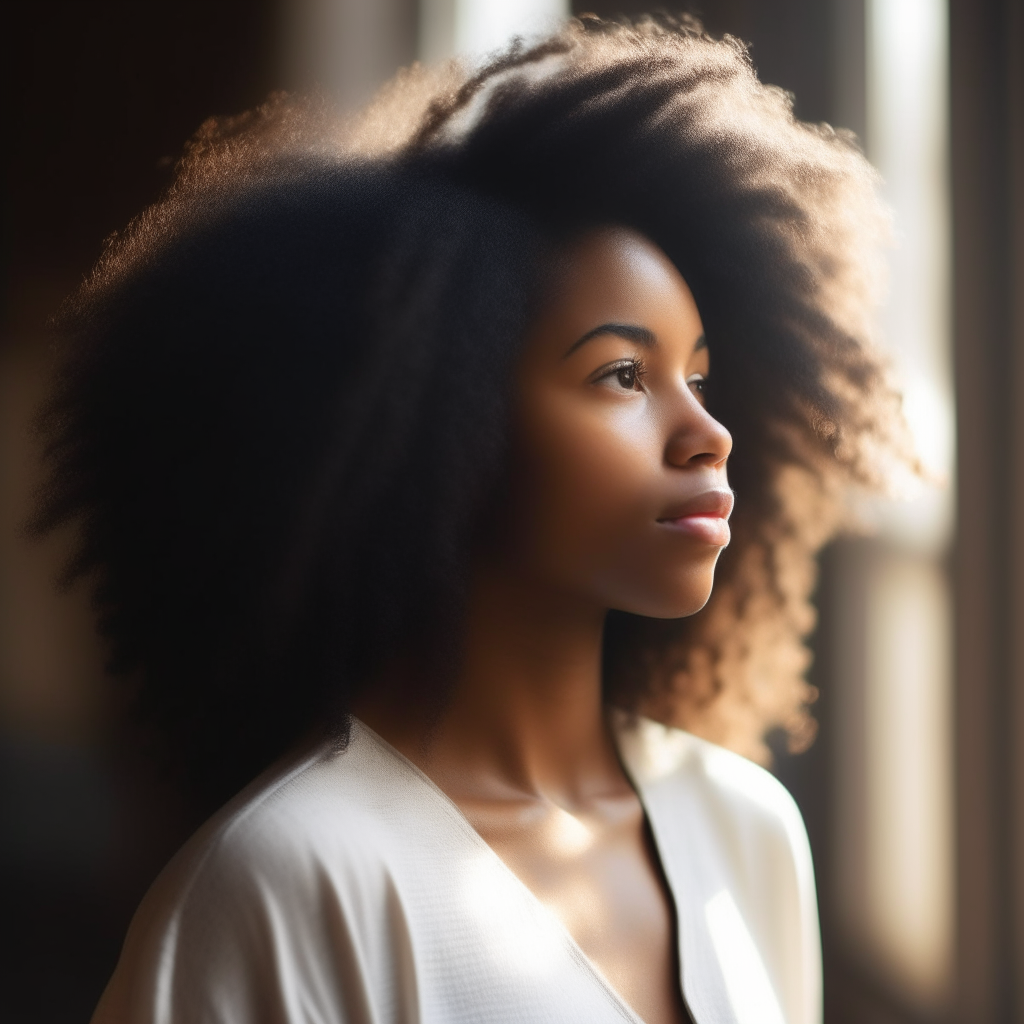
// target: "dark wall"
[[99, 99], [987, 135]]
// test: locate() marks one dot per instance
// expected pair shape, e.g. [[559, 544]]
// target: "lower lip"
[[710, 529]]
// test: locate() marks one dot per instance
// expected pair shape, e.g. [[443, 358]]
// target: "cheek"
[[591, 480], [591, 486]]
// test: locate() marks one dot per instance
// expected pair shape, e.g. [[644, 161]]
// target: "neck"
[[526, 713]]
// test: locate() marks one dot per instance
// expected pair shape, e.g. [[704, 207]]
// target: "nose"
[[697, 438]]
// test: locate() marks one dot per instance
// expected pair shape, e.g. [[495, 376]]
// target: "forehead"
[[617, 246], [616, 275]]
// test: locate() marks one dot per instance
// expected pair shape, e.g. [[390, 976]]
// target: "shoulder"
[[314, 810], [259, 902], [737, 793], [735, 850]]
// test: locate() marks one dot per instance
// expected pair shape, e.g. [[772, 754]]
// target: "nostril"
[[712, 459]]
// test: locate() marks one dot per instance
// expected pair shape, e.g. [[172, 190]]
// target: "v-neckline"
[[575, 949]]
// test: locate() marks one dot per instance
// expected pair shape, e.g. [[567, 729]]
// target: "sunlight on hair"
[[746, 980]]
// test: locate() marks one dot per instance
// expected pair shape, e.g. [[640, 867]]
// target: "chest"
[[599, 873]]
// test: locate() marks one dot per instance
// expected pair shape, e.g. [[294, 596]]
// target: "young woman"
[[403, 465]]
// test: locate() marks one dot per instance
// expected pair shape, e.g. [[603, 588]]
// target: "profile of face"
[[620, 498]]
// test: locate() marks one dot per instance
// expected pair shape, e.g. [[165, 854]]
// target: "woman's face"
[[620, 495]]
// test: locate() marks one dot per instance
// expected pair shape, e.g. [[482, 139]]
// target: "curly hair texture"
[[285, 410]]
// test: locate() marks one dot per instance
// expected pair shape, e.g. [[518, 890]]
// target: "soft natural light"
[[482, 26], [904, 910], [909, 856], [568, 836], [907, 141], [750, 992], [530, 936], [477, 27]]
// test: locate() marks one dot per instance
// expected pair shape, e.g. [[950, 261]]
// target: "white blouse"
[[348, 889]]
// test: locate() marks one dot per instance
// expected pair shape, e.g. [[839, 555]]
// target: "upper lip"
[[715, 503]]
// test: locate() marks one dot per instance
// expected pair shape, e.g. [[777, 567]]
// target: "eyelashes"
[[626, 373], [629, 375]]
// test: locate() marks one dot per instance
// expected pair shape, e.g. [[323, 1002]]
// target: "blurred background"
[[913, 792]]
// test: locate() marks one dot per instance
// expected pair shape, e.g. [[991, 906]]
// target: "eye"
[[627, 374], [699, 383]]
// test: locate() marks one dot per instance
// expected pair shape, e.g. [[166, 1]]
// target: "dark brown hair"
[[314, 334]]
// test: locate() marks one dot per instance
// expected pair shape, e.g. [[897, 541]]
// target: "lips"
[[705, 517]]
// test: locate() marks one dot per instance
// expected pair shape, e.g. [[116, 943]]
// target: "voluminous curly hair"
[[284, 411]]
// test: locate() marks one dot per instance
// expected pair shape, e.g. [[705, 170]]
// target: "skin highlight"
[[618, 499]]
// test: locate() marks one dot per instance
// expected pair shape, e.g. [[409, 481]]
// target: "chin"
[[664, 591], [682, 610], [684, 592], [669, 605]]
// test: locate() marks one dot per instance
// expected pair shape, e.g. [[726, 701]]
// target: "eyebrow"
[[631, 332]]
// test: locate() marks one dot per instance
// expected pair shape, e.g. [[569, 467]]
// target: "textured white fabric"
[[348, 889]]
